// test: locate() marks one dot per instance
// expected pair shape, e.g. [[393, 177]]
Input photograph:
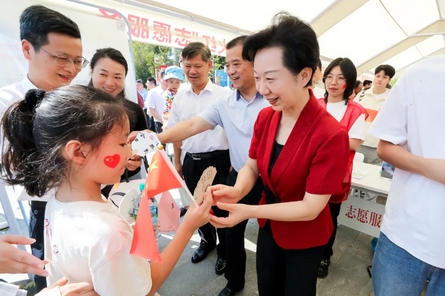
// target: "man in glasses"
[[51, 43]]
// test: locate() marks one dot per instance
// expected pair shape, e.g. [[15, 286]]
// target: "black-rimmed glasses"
[[79, 63]]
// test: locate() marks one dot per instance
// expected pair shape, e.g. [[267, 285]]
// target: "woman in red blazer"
[[300, 152], [339, 80]]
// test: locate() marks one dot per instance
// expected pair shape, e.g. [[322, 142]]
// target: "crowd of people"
[[283, 142]]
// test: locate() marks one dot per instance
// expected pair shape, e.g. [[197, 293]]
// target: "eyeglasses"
[[79, 63], [340, 79]]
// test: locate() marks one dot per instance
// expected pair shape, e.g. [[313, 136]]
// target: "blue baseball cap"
[[174, 72]]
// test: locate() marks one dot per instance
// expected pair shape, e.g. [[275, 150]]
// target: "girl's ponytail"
[[20, 157]]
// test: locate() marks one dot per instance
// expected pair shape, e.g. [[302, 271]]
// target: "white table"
[[361, 214], [372, 182]]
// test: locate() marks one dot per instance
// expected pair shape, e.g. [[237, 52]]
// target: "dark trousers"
[[335, 211], [282, 272], [150, 121], [158, 127], [236, 253], [192, 171], [36, 231]]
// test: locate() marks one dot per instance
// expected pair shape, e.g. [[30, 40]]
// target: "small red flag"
[[161, 177]]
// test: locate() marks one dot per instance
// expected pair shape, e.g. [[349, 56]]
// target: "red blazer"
[[353, 112], [314, 159]]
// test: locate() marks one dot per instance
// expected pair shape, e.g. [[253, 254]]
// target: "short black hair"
[[367, 82], [139, 81], [296, 38], [236, 41], [387, 69], [152, 80], [349, 72], [357, 83], [319, 64], [37, 21], [195, 48]]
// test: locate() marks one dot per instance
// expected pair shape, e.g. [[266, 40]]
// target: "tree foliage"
[[148, 58]]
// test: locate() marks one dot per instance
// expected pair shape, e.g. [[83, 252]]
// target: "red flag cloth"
[[160, 178], [144, 241], [168, 213]]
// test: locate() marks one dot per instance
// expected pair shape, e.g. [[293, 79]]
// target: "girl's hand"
[[198, 216], [237, 214], [225, 194]]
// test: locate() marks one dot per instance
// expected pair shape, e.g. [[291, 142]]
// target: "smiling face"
[[108, 163], [44, 72], [276, 83], [108, 76], [335, 84], [173, 84], [197, 70], [240, 72]]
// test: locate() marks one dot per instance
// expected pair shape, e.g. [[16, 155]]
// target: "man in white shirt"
[[411, 246], [155, 103], [372, 100], [51, 43], [209, 148]]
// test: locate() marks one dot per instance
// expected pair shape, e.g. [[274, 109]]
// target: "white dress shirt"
[[187, 105], [154, 100]]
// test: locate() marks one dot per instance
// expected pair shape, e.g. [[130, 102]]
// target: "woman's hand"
[[198, 216], [66, 289], [14, 260], [226, 194], [237, 213], [134, 162]]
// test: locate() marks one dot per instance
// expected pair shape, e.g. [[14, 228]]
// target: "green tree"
[[149, 57]]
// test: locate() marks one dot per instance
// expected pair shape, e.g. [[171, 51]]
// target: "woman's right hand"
[[197, 216], [225, 194]]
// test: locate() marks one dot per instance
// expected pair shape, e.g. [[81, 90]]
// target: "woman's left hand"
[[237, 213], [134, 162]]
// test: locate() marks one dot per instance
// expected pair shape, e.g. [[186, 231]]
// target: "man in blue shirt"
[[236, 113]]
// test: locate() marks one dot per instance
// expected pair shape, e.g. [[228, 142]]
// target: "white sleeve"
[[7, 289], [151, 99], [357, 130], [390, 123], [211, 113]]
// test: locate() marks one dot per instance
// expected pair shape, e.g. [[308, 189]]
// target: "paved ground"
[[347, 276]]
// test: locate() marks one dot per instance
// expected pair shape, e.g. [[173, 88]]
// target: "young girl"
[[339, 79], [108, 71], [74, 139]]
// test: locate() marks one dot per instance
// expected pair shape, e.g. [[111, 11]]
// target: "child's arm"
[[194, 218]]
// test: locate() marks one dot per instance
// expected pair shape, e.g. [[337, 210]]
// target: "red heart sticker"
[[112, 160]]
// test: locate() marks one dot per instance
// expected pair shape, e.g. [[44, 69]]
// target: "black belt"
[[206, 155], [38, 204]]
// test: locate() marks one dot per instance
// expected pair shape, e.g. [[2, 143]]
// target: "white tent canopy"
[[369, 32]]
